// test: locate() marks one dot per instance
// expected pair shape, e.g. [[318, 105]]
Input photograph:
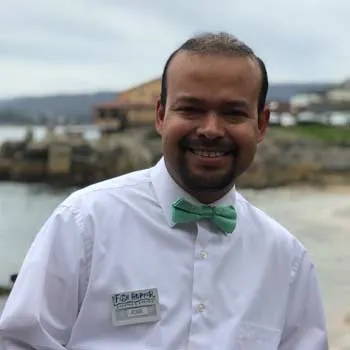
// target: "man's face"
[[210, 125]]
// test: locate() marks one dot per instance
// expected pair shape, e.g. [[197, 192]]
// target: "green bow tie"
[[224, 217]]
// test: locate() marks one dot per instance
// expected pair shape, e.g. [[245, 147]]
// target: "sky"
[[74, 46]]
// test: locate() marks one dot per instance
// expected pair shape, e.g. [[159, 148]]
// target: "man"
[[173, 257]]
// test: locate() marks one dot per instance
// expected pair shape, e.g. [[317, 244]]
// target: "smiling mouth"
[[208, 154]]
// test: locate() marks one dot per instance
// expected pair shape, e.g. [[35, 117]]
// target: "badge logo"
[[134, 307]]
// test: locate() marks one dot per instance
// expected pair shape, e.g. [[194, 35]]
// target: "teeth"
[[208, 154]]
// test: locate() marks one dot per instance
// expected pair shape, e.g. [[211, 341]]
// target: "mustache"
[[222, 145]]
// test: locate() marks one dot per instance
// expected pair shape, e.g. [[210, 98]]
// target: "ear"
[[160, 116], [263, 122]]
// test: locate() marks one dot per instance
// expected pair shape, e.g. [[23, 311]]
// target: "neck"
[[207, 197]]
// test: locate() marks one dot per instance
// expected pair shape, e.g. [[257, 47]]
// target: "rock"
[[69, 159], [280, 161], [347, 319]]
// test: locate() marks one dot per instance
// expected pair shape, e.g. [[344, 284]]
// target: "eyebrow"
[[188, 99], [199, 101]]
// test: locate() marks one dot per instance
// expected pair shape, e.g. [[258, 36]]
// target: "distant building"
[[301, 101], [331, 106], [281, 114], [132, 107], [340, 94]]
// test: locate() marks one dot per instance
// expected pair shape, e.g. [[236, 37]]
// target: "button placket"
[[200, 307], [203, 254], [201, 286], [201, 265]]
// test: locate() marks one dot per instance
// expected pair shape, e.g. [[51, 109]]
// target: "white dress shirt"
[[254, 289]]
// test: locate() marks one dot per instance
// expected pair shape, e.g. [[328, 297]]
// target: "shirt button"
[[200, 307], [203, 254]]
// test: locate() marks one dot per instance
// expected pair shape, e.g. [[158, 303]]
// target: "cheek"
[[245, 135], [175, 130], [170, 141]]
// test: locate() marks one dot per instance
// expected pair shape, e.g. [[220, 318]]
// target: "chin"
[[207, 183]]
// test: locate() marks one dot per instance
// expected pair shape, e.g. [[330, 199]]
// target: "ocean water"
[[23, 209], [17, 132], [319, 217]]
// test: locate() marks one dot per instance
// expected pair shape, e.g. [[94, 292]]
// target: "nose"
[[211, 127]]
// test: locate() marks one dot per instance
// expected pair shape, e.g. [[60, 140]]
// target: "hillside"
[[75, 108], [78, 108], [282, 92]]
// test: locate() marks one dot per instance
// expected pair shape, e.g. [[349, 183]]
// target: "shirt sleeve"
[[305, 322], [44, 302]]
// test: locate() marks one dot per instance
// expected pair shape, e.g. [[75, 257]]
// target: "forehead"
[[213, 73]]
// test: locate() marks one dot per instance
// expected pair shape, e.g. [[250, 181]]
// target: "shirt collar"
[[168, 191]]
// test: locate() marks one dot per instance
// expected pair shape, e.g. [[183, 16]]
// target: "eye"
[[188, 109], [234, 113]]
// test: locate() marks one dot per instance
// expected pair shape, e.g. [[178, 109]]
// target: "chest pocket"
[[251, 336]]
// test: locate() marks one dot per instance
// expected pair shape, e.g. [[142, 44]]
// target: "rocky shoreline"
[[69, 159], [284, 160]]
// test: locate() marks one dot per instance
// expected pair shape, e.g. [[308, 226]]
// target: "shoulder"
[[120, 188]]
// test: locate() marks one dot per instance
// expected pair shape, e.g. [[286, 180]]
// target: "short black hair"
[[218, 43]]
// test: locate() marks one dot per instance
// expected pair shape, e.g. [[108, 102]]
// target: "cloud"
[[94, 44]]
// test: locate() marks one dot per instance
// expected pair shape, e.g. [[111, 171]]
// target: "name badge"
[[134, 307]]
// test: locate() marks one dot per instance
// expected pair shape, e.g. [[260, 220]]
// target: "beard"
[[206, 182], [206, 179]]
